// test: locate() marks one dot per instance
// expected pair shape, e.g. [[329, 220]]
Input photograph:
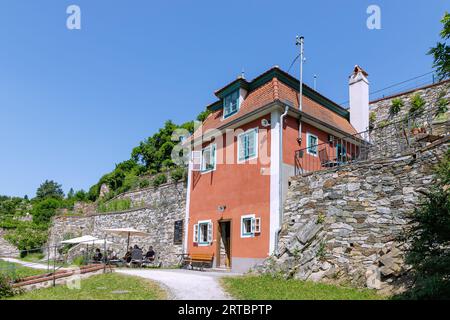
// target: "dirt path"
[[186, 284]]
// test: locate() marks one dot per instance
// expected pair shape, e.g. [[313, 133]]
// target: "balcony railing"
[[387, 139]]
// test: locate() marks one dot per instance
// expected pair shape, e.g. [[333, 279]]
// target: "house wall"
[[243, 189]]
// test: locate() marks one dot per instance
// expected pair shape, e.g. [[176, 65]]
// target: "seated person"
[[127, 256], [150, 255], [97, 255], [136, 253]]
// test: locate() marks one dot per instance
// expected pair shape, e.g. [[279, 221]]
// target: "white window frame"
[[238, 103], [308, 146], [210, 234], [256, 131], [211, 146], [250, 234]]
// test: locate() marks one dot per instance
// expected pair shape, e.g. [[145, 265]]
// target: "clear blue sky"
[[74, 103]]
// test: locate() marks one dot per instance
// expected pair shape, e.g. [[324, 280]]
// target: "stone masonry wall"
[[346, 224], [164, 206]]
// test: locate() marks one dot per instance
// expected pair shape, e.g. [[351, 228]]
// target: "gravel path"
[[186, 284]]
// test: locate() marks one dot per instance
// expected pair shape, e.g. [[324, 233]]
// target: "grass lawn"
[[17, 271], [268, 288], [110, 286]]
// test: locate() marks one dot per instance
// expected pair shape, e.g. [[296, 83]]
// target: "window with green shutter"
[[231, 104], [248, 144]]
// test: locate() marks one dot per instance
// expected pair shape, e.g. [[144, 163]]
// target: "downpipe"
[[280, 181]]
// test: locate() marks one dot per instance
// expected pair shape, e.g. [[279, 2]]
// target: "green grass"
[[33, 257], [16, 271], [269, 288], [100, 287]]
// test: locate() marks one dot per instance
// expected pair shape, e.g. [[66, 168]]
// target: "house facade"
[[244, 153]]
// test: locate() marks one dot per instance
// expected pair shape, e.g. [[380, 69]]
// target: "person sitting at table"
[[127, 256], [97, 255], [150, 255]]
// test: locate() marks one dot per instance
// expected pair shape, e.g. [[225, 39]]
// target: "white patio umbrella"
[[127, 232], [82, 239]]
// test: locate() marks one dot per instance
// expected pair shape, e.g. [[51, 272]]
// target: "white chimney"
[[359, 99]]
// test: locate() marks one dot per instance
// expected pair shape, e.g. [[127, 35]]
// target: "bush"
[[144, 183], [177, 174], [115, 205], [27, 236], [396, 106], [159, 180], [372, 119], [6, 289], [79, 261], [429, 254], [417, 104], [44, 210]]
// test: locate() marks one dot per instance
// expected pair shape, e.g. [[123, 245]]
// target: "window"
[[247, 145], [250, 226], [209, 158], [231, 104], [311, 143], [203, 232]]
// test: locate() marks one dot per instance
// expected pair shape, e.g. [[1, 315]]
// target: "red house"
[[245, 151]]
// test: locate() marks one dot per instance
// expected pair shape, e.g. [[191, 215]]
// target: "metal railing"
[[386, 139]]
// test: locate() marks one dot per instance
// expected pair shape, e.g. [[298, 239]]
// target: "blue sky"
[[75, 102]]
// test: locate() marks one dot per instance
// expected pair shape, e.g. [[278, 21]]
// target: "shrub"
[[177, 174], [6, 289], [383, 123], [429, 254], [27, 236], [442, 104], [144, 183], [44, 210], [417, 104], [159, 180], [79, 261], [396, 106], [114, 205], [372, 119]]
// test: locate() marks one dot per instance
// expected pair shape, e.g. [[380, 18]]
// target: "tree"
[[441, 53], [70, 194], [44, 210], [49, 189], [429, 254]]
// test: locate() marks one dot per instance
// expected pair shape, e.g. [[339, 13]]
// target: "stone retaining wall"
[[164, 206], [346, 224]]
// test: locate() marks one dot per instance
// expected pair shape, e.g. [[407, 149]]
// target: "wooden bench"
[[199, 260]]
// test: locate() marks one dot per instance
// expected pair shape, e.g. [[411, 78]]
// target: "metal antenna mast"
[[300, 42]]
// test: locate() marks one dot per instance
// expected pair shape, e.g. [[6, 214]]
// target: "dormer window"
[[231, 104]]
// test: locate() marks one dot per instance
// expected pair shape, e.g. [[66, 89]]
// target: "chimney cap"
[[358, 69]]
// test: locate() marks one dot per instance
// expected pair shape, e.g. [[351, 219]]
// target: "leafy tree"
[[441, 53], [429, 254], [49, 189], [44, 210]]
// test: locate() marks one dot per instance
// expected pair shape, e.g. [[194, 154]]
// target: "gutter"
[[280, 181]]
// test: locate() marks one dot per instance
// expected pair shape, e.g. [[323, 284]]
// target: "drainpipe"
[[300, 42], [280, 181]]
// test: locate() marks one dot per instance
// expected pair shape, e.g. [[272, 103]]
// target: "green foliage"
[[203, 115], [114, 205], [396, 106], [178, 174], [442, 104], [80, 260], [13, 206], [44, 210], [49, 189], [144, 183], [417, 104], [372, 119], [320, 218], [159, 180], [6, 289], [429, 236], [27, 235], [441, 52]]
